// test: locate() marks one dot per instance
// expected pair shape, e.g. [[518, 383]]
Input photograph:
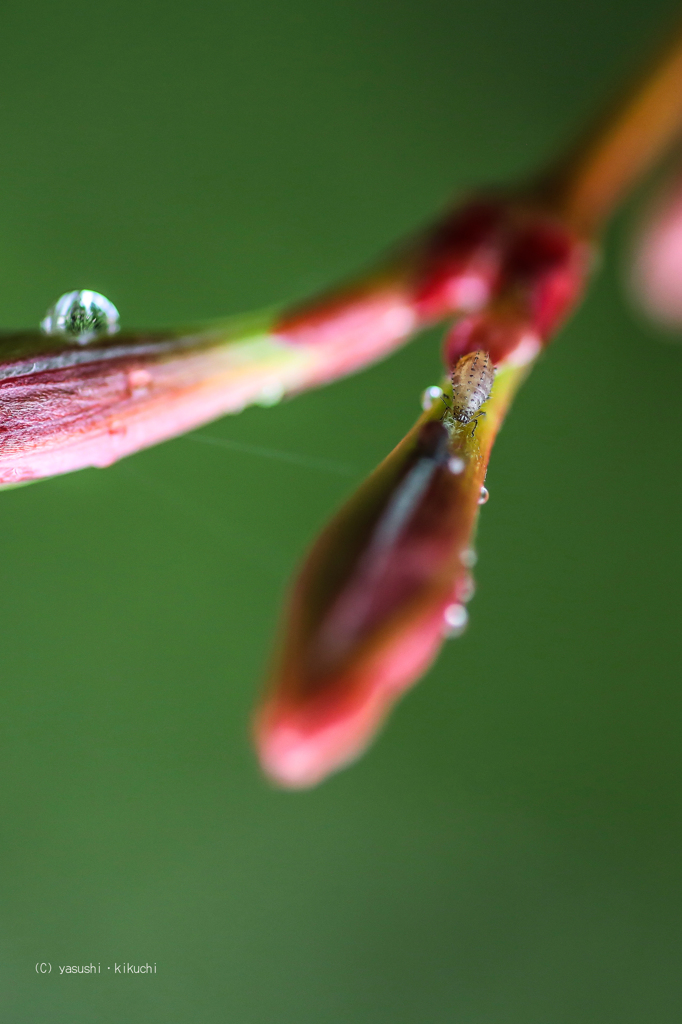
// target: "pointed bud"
[[367, 613], [388, 578], [380, 589]]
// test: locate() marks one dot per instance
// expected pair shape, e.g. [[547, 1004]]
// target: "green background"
[[509, 850]]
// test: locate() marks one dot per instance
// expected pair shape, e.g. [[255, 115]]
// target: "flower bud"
[[657, 263], [367, 614]]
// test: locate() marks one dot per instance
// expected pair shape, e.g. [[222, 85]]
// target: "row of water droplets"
[[455, 616], [429, 397]]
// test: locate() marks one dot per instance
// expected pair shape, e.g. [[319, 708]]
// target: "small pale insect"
[[472, 382]]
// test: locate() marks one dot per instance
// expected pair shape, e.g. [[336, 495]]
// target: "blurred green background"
[[509, 851]]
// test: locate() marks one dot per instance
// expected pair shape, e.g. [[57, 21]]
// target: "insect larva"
[[472, 382]]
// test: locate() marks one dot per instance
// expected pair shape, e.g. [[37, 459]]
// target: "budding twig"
[[587, 183], [390, 574]]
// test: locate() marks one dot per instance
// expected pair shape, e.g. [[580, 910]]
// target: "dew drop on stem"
[[455, 620], [270, 394], [468, 558], [429, 396], [81, 316], [467, 590]]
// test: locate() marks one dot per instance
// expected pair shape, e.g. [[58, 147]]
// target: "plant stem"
[[593, 177]]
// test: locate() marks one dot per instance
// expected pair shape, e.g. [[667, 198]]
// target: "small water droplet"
[[485, 494], [468, 558], [430, 396], [455, 618], [270, 394], [466, 590], [455, 465], [81, 316]]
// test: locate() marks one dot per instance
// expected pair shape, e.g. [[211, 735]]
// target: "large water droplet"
[[456, 465], [81, 316], [484, 495], [430, 396], [455, 619]]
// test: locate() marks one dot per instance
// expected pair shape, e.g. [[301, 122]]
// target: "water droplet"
[[270, 394], [455, 618], [81, 316], [468, 558], [485, 494], [466, 590], [455, 465], [430, 396]]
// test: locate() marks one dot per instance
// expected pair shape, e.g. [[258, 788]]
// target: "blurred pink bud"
[[657, 262]]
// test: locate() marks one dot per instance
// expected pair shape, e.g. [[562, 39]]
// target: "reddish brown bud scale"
[[543, 274], [462, 259], [546, 266]]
